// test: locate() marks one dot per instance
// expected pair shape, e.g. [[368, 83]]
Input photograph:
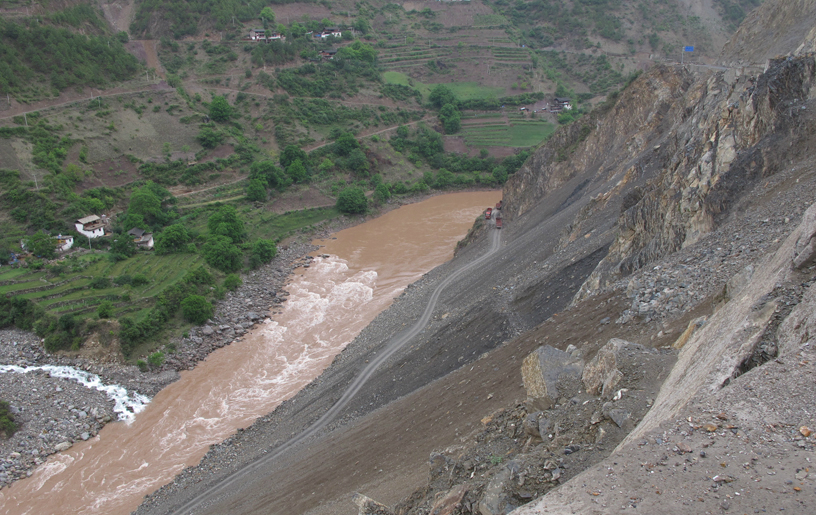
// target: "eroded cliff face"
[[675, 152]]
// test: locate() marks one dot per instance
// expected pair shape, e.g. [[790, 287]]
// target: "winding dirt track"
[[393, 346]]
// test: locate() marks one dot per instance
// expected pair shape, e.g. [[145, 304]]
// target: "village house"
[[328, 54], [91, 226], [560, 104], [261, 35], [143, 239], [64, 243], [328, 32]]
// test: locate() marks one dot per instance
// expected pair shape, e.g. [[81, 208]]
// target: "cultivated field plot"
[[504, 130], [81, 283]]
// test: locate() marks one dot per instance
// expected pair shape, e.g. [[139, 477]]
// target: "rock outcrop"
[[541, 372]]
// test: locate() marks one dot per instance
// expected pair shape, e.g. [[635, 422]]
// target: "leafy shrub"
[[105, 309], [220, 110], [100, 283], [263, 251], [7, 425], [210, 137], [352, 201], [172, 239], [142, 364], [232, 282], [156, 359], [139, 280], [256, 191], [196, 309], [221, 253]]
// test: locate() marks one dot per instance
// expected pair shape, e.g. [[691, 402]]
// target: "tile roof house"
[[91, 226], [142, 238]]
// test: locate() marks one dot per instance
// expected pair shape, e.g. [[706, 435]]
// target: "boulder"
[[450, 503], [495, 501], [541, 371], [207, 330], [369, 506], [601, 374], [804, 252], [63, 446]]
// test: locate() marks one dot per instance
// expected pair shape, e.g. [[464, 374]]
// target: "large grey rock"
[[369, 506], [450, 503], [495, 501], [207, 330], [541, 371], [601, 374], [805, 248]]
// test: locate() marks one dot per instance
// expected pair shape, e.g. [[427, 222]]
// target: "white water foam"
[[125, 405]]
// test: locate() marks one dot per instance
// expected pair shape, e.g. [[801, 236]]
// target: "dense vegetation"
[[7, 425], [186, 16], [34, 51]]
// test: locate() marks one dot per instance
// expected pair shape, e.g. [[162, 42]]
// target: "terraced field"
[[75, 287], [504, 130]]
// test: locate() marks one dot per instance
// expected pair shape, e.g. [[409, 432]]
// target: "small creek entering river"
[[329, 304]]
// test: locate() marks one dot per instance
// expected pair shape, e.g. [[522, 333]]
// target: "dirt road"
[[351, 391]]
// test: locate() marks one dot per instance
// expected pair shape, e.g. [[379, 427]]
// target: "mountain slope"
[[627, 225]]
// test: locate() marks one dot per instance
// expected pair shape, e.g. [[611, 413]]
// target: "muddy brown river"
[[329, 304]]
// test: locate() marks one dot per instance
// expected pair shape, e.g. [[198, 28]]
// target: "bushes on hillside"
[[7, 425], [263, 251], [219, 252], [352, 201], [196, 309]]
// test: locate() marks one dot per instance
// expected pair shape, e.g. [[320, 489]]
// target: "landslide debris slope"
[[674, 211]]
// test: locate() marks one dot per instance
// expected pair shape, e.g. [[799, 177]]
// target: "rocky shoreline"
[[53, 413]]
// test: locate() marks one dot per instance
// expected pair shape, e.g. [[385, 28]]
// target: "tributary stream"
[[329, 304]]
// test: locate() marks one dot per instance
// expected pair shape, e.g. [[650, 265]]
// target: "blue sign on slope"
[[688, 49]]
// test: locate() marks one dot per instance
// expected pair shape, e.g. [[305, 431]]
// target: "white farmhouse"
[[91, 226]]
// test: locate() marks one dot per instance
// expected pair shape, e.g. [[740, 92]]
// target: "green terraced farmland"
[[512, 130]]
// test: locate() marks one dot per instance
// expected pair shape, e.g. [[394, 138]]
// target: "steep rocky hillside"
[[674, 218]]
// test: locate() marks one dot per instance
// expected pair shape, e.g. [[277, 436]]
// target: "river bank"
[[53, 413]]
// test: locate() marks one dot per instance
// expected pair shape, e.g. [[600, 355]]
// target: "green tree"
[[146, 203], [292, 153], [352, 201], [270, 174], [122, 247], [209, 137], [267, 16], [7, 425], [172, 239], [220, 110], [345, 144], [232, 282], [451, 118], [357, 162], [263, 251], [41, 245], [219, 252], [443, 179], [196, 309], [296, 171], [441, 95], [256, 191], [381, 194], [325, 165], [227, 222], [157, 358], [105, 309], [499, 174]]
